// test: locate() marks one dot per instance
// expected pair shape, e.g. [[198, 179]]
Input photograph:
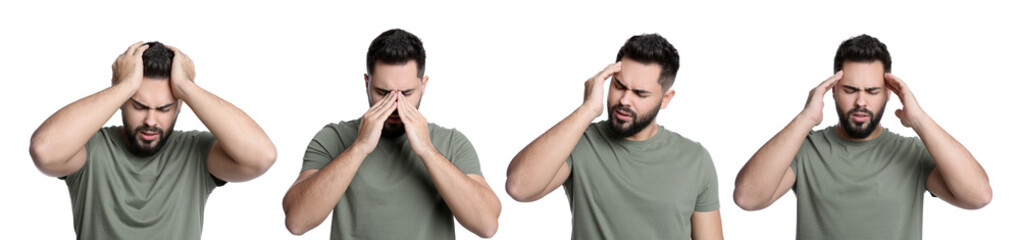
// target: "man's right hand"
[[593, 89], [813, 107], [128, 68], [372, 122]]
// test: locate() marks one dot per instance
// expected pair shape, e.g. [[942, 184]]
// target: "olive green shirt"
[[391, 195], [118, 195], [860, 190], [621, 189]]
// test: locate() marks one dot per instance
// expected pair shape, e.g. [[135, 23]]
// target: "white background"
[[503, 73]]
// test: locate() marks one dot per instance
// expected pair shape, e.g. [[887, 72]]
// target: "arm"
[[58, 146], [706, 225], [957, 178], [541, 166], [242, 151], [767, 176], [469, 197], [316, 192]]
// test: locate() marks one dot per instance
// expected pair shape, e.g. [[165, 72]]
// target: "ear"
[[366, 81], [666, 98], [424, 82]]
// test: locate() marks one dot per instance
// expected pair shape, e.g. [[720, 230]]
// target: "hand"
[[416, 127], [593, 89], [813, 107], [372, 122], [182, 71], [911, 111], [128, 68]]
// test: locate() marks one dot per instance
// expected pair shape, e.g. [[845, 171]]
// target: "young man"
[[391, 174], [144, 178], [857, 180], [628, 177]]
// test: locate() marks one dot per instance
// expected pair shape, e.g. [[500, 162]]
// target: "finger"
[[609, 71], [172, 48], [831, 82], [132, 48], [140, 50], [382, 104], [894, 83]]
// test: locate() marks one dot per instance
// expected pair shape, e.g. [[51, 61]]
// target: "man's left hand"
[[181, 72], [911, 112], [415, 125]]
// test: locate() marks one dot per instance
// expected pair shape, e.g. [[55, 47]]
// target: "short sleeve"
[[201, 143], [325, 146], [925, 162], [708, 199], [463, 154]]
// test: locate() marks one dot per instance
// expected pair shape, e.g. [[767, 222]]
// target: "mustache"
[[621, 108], [148, 129]]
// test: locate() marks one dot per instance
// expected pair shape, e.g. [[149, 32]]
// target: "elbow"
[[748, 203], [982, 200], [266, 159], [295, 228], [518, 193], [488, 230]]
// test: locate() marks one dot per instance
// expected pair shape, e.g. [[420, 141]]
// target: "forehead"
[[154, 92], [395, 76], [638, 75], [863, 74]]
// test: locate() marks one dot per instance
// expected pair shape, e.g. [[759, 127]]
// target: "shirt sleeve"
[[201, 143], [463, 154], [325, 146], [926, 163], [708, 199]]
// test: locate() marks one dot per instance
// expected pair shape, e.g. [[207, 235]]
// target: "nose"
[[860, 100], [150, 117], [626, 99]]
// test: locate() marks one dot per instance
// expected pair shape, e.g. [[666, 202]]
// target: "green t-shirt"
[[860, 190], [391, 195], [621, 189], [118, 195]]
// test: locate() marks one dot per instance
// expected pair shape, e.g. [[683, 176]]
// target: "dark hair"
[[864, 49], [396, 46], [652, 48], [157, 60]]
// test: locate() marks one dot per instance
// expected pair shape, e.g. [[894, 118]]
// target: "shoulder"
[[437, 132], [684, 144]]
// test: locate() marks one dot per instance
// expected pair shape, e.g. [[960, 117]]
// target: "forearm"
[[963, 175], [65, 132], [241, 138], [474, 204], [311, 199], [536, 165], [758, 181]]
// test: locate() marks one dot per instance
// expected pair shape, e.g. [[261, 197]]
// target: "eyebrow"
[[388, 90], [858, 89], [640, 91], [147, 106]]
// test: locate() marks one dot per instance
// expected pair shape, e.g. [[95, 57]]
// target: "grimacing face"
[[149, 116], [393, 77], [860, 98], [635, 97]]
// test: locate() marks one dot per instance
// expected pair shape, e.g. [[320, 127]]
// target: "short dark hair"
[[396, 46], [652, 48], [863, 49], [157, 60]]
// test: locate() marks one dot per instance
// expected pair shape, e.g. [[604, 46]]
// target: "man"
[[857, 180], [391, 174], [628, 177], [144, 178]]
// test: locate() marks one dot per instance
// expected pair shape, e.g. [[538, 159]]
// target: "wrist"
[[590, 110]]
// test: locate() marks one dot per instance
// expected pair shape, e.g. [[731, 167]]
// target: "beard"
[[638, 122], [142, 147], [393, 130], [859, 129]]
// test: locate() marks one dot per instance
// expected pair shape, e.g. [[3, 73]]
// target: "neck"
[[874, 134], [646, 133]]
